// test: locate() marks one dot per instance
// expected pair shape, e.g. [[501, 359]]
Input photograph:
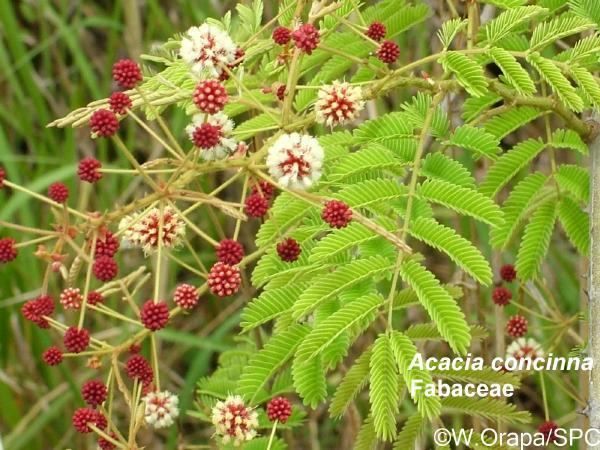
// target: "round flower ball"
[[295, 160]]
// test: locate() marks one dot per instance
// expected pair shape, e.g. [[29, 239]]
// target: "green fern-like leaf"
[[272, 273], [334, 350], [588, 84], [257, 50], [509, 164], [343, 11], [263, 365], [416, 112], [576, 224], [309, 381], [411, 430], [371, 158], [337, 65], [506, 4], [476, 140], [516, 207], [503, 124], [335, 144], [406, 17], [327, 331], [358, 290], [557, 81], [462, 200], [269, 305], [406, 298], [568, 139], [319, 57], [405, 148], [515, 42], [379, 246], [342, 240], [509, 20], [329, 285], [392, 125], [286, 12], [237, 357], [460, 250], [437, 165], [420, 207], [575, 180], [429, 331], [353, 383], [486, 408], [449, 30], [255, 125], [286, 211], [250, 18], [468, 73], [557, 28], [589, 9], [514, 73], [384, 392], [176, 74], [217, 387], [583, 50], [440, 305], [553, 5], [367, 437], [536, 239], [404, 352], [364, 73], [371, 192], [473, 107], [282, 383], [271, 270]]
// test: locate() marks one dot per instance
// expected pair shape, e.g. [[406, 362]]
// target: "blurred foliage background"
[[55, 56]]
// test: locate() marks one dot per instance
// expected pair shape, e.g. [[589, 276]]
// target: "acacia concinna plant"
[[360, 196]]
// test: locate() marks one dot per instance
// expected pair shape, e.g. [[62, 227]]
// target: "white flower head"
[[161, 409], [234, 421], [226, 144], [524, 348], [206, 49], [295, 160], [338, 103], [142, 230]]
